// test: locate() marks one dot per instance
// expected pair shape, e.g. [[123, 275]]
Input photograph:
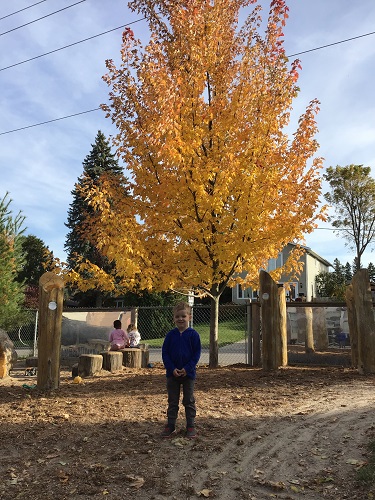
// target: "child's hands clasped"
[[179, 373]]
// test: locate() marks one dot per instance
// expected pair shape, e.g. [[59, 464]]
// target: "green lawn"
[[229, 332]]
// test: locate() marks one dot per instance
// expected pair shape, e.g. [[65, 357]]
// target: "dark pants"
[[174, 388]]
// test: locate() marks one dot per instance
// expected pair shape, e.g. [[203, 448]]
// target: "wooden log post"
[[274, 330], [132, 357], [255, 328], [365, 321], [89, 364], [145, 355], [320, 328], [112, 360], [51, 295], [352, 322], [309, 336]]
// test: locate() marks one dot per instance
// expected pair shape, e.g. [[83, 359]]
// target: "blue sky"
[[40, 165]]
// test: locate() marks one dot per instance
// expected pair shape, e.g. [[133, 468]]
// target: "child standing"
[[118, 338], [181, 352], [134, 335]]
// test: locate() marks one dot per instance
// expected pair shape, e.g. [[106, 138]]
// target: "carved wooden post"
[[51, 294], [365, 321], [352, 322], [274, 337]]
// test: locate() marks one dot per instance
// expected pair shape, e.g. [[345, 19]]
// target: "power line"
[[39, 18], [332, 44], [72, 44], [49, 121], [25, 8], [133, 22]]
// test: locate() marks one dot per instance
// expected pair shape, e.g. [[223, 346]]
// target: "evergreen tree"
[[332, 284], [37, 260], [371, 271], [100, 160], [11, 291], [348, 272]]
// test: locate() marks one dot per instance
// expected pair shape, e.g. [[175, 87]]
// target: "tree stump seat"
[[112, 360], [89, 364], [31, 361], [131, 357]]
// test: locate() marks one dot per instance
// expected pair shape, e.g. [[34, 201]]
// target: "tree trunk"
[[214, 333], [365, 321], [274, 332], [51, 295], [352, 322]]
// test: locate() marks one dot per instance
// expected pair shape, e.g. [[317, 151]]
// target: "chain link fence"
[[155, 322], [80, 328]]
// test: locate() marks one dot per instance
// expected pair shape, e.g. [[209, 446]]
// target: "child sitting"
[[118, 338], [134, 335]]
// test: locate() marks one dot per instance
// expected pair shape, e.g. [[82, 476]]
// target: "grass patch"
[[229, 333], [366, 474]]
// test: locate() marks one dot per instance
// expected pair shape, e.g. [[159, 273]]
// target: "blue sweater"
[[181, 350]]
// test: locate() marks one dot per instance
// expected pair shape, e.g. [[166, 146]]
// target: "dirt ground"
[[299, 433]]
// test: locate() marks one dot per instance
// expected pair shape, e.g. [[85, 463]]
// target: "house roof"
[[314, 255]]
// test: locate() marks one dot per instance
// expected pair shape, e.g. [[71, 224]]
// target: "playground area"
[[300, 432]]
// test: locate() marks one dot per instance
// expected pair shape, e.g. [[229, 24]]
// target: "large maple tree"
[[218, 184]]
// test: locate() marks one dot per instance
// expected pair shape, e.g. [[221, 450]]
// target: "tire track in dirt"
[[302, 454]]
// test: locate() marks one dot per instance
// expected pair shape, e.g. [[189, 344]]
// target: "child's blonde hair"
[[131, 327], [182, 306]]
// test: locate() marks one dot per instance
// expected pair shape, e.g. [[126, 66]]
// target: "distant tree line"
[[333, 284]]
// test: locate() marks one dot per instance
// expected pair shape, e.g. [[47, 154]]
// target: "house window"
[[275, 263]]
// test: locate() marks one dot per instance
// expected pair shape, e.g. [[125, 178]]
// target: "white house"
[[305, 287]]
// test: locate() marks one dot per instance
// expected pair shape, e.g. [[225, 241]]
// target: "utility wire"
[[133, 22], [72, 44], [25, 8], [332, 44], [49, 121], [39, 18]]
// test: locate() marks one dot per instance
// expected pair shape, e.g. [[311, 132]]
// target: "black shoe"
[[168, 431], [191, 433]]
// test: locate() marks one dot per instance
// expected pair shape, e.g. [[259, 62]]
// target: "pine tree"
[[37, 259], [348, 272], [11, 291], [371, 271], [100, 160]]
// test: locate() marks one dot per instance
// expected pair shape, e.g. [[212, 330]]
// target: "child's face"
[[181, 319]]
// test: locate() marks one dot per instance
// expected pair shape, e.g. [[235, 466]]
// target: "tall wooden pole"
[[365, 321], [273, 312], [51, 295]]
